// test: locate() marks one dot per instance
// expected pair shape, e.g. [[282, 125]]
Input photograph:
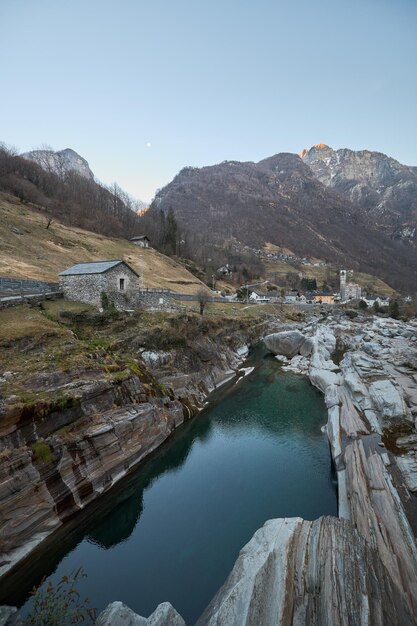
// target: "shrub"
[[60, 605], [42, 451]]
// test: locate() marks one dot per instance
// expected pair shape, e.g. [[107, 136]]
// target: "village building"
[[87, 282], [258, 297], [141, 240], [324, 297], [292, 296], [379, 301], [353, 291], [349, 291], [224, 271]]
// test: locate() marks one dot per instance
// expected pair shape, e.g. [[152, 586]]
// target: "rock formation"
[[360, 568], [385, 189], [297, 572], [118, 614], [60, 162]]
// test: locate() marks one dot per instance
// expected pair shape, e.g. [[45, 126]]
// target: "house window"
[[121, 284]]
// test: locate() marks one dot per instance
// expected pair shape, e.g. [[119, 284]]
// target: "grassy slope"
[[277, 270], [41, 254]]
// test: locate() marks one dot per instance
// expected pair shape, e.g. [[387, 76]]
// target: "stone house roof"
[[95, 267], [140, 238]]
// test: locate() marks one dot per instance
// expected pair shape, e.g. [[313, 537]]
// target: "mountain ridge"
[[281, 200], [384, 188]]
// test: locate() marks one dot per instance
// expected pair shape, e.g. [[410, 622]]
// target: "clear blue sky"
[[205, 81]]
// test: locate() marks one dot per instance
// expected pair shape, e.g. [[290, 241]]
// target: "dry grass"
[[40, 254], [277, 270], [22, 321]]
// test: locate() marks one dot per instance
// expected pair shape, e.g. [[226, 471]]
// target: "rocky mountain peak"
[[380, 185], [60, 162]]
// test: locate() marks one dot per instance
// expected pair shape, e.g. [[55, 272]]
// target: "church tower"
[[342, 274]]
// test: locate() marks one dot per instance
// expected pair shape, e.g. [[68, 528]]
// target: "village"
[[116, 282]]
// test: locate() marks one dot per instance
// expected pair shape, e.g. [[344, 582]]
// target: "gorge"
[[357, 568], [175, 527]]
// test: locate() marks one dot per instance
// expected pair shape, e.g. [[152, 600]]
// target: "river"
[[173, 530]]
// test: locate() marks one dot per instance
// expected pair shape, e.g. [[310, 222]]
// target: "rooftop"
[[95, 267]]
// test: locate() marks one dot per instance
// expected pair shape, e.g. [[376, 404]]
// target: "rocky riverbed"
[[360, 568]]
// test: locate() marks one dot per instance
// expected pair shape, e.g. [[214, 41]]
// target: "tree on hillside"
[[394, 310], [309, 284], [203, 298], [171, 232]]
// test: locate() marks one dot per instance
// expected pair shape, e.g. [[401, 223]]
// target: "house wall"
[[88, 288], [85, 288]]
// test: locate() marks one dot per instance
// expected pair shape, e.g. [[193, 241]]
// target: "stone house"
[[224, 271], [141, 240], [86, 282]]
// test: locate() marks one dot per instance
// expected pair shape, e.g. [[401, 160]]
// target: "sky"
[[142, 89]]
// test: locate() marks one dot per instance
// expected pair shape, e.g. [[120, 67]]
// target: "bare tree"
[[203, 298]]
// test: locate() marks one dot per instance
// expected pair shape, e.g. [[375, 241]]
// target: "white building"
[[259, 298]]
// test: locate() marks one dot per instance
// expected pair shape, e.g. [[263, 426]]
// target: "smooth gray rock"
[[294, 572], [9, 616], [118, 614], [286, 343], [388, 401], [306, 348]]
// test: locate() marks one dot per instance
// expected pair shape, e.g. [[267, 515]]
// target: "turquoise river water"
[[174, 528]]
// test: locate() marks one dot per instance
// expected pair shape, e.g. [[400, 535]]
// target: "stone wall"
[[10, 301], [155, 299], [88, 288], [85, 288]]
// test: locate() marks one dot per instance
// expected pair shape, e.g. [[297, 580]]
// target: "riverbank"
[[86, 397]]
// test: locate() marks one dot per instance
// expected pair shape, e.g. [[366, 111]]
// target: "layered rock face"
[[384, 188], [42, 484], [298, 572], [88, 430], [370, 393]]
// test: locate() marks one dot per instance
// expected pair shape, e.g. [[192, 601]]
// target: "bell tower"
[[342, 275]]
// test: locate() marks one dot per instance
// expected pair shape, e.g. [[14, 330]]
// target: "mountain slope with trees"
[[66, 195], [280, 200]]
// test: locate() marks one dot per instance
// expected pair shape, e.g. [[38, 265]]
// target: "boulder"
[[118, 614], [387, 399], [287, 343]]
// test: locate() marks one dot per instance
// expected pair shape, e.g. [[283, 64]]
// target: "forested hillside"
[[71, 198]]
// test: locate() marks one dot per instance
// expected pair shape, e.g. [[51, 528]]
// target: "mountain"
[[68, 196], [60, 162], [280, 200], [382, 187]]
